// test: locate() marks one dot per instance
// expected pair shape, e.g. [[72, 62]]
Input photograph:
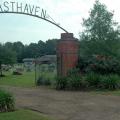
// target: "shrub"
[[2, 75], [74, 82], [43, 80], [98, 81], [99, 64], [17, 73], [6, 102], [61, 83], [93, 80], [110, 82], [88, 82], [40, 80]]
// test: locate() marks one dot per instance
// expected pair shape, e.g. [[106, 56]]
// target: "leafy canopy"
[[101, 33]]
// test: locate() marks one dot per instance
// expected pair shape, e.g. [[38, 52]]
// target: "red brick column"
[[67, 53]]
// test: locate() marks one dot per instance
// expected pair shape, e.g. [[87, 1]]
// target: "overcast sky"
[[68, 13]]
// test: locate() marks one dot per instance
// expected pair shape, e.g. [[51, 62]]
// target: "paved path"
[[68, 105]]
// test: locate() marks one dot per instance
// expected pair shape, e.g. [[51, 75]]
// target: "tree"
[[18, 47], [0, 68], [33, 50], [7, 56], [41, 48], [9, 45], [9, 52], [51, 47], [101, 33]]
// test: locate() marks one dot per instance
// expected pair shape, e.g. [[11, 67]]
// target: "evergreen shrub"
[[7, 102]]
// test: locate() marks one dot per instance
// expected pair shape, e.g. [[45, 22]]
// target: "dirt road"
[[63, 105]]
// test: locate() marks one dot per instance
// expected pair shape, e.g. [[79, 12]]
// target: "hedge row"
[[88, 81]]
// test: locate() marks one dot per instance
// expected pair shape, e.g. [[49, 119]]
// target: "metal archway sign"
[[27, 9], [67, 47]]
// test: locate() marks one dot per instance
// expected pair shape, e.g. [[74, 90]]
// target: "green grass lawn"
[[22, 115], [25, 80]]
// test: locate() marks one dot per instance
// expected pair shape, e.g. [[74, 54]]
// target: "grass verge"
[[23, 115], [25, 80]]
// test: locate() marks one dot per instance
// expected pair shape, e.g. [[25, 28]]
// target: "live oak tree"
[[101, 33]]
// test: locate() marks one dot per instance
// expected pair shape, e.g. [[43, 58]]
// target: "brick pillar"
[[67, 53]]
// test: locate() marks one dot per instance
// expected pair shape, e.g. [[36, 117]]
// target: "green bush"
[[90, 81], [61, 83], [110, 82], [98, 81], [99, 64], [93, 80], [40, 80], [74, 82], [6, 102], [43, 80]]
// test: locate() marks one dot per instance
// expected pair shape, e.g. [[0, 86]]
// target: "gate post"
[[67, 53]]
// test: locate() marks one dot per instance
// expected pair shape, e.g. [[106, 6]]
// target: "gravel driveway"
[[63, 105]]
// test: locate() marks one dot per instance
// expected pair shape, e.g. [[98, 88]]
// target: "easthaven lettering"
[[22, 8]]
